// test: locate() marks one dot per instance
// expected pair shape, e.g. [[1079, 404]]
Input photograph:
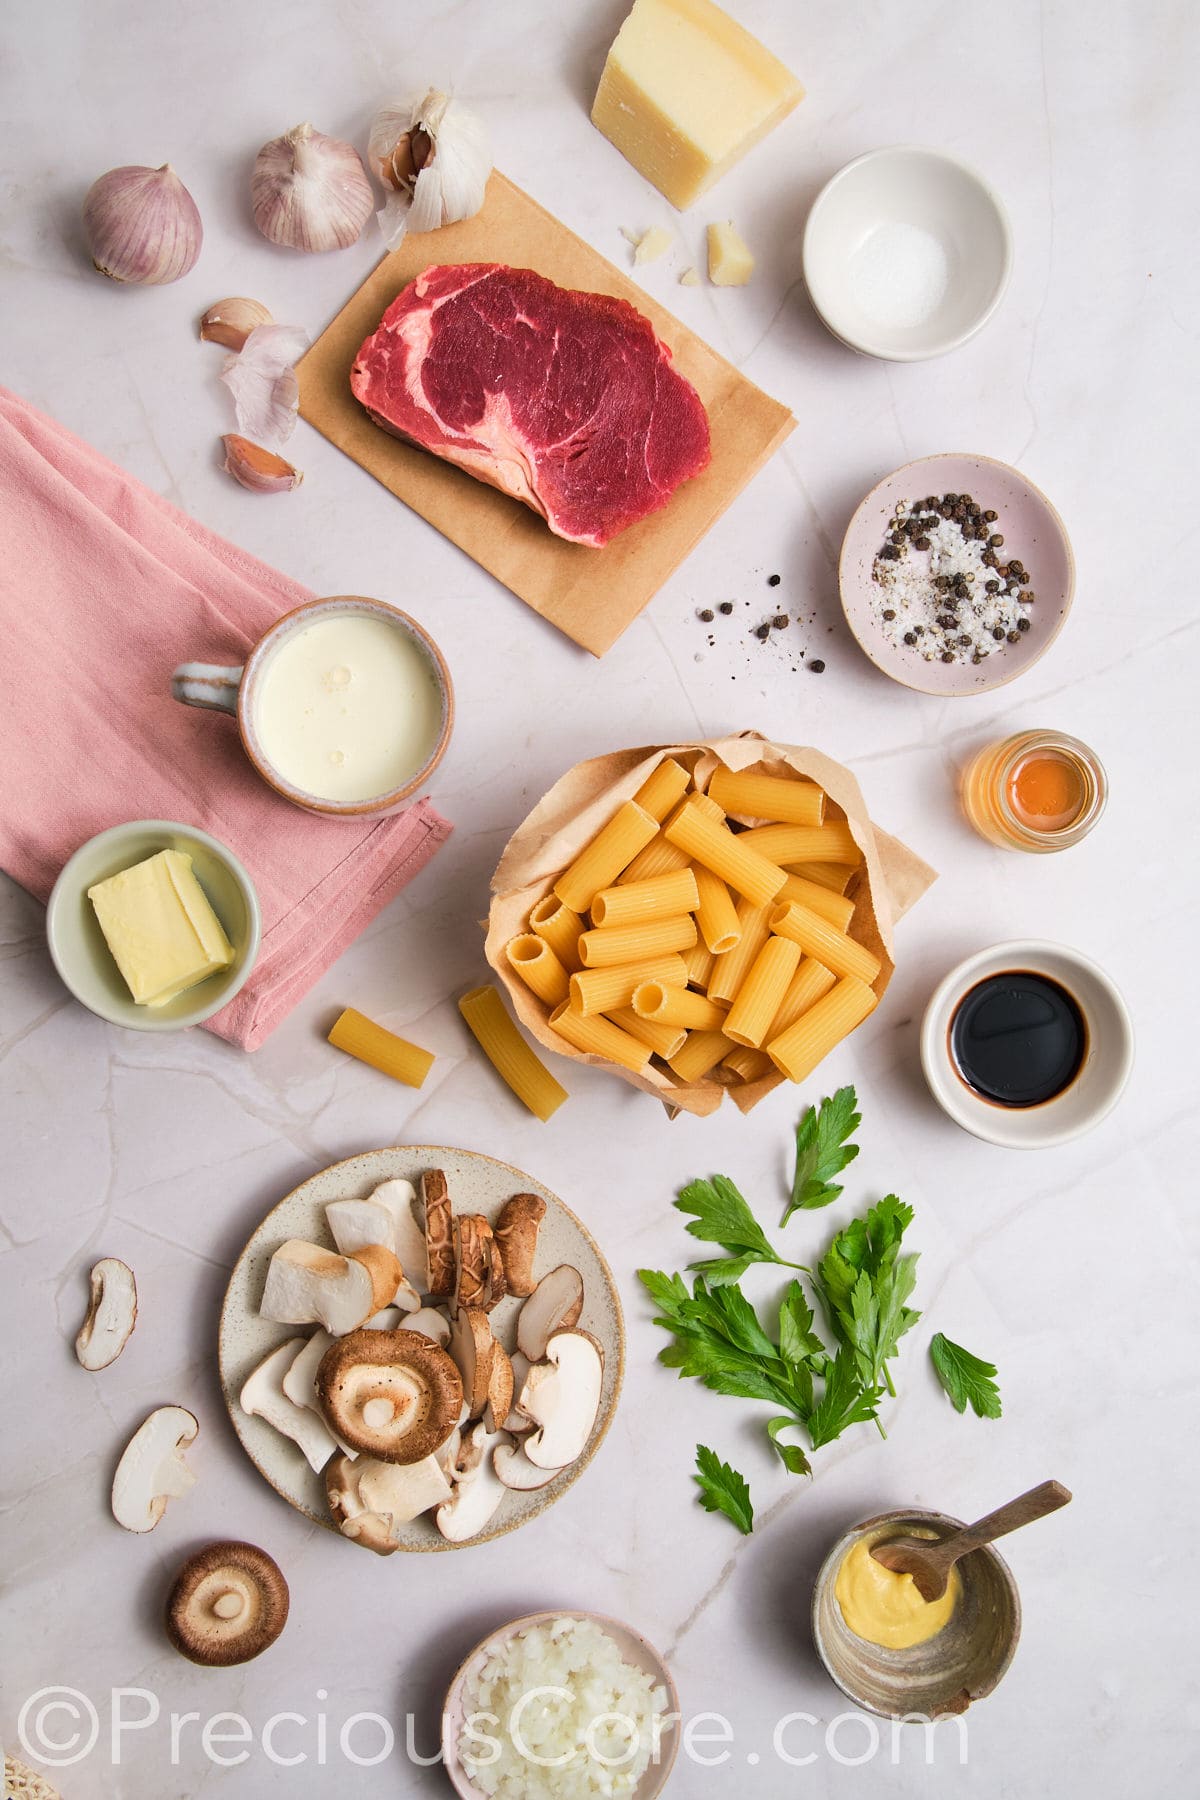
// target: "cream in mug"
[[347, 708]]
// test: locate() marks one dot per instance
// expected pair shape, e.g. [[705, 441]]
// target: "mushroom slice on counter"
[[517, 1422], [562, 1397], [515, 1469], [310, 1286], [430, 1323], [472, 1259], [383, 1266], [478, 1490], [554, 1305], [152, 1469], [356, 1224], [264, 1396], [408, 1241], [499, 1400], [394, 1395], [111, 1314], [516, 1237], [439, 1232], [369, 1499], [472, 1346], [228, 1604]]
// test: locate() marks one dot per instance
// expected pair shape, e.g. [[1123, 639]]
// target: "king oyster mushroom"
[[399, 1197], [383, 1266], [264, 1395], [478, 1490], [370, 1500], [228, 1604], [472, 1347], [365, 1225], [310, 1286], [431, 1324], [439, 1233], [562, 1397], [554, 1305], [152, 1469], [300, 1380], [394, 1395], [516, 1238], [111, 1314]]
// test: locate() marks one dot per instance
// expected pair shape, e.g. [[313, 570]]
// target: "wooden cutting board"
[[591, 595]]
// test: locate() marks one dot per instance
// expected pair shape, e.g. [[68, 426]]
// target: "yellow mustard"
[[885, 1607]]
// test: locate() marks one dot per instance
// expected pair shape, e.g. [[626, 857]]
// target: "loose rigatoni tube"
[[678, 1006], [817, 937], [803, 843], [661, 789], [526, 1074], [716, 917], [798, 1051], [761, 994], [664, 1040], [809, 984], [661, 858], [781, 797], [538, 967], [641, 902], [700, 1055], [635, 943], [611, 850], [598, 1036], [834, 907], [718, 849], [361, 1038], [604, 990], [562, 929], [729, 971]]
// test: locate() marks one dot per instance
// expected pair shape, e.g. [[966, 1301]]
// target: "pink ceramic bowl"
[[1032, 531]]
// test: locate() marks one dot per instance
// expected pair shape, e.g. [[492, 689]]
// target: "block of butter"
[[156, 920], [686, 91]]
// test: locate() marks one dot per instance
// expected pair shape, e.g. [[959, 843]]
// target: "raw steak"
[[565, 400]]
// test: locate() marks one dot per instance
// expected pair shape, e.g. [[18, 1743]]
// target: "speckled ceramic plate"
[[1031, 529], [477, 1184]]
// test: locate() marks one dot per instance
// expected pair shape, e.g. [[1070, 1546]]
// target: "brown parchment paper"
[[891, 881], [591, 595]]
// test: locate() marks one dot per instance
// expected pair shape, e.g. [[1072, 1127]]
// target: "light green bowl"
[[82, 957]]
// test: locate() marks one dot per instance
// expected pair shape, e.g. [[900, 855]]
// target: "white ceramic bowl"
[[907, 253], [1095, 1090]]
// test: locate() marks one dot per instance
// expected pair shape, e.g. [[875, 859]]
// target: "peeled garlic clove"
[[230, 322], [262, 380], [310, 191], [434, 156], [142, 225], [257, 469]]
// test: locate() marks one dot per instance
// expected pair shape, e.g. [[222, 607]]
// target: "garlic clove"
[[433, 157], [230, 322], [309, 191], [142, 225], [262, 380], [257, 469]]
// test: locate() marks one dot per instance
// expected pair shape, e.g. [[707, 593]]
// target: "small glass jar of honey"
[[1039, 790]]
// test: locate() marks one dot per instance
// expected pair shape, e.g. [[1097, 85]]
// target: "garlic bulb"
[[230, 322], [435, 158], [262, 380], [142, 225], [257, 469], [310, 191]]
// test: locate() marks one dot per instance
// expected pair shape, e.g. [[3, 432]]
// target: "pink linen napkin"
[[104, 589]]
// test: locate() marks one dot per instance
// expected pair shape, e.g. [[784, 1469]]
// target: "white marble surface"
[[1074, 1270]]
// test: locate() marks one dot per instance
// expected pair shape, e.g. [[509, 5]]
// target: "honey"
[[1038, 791]]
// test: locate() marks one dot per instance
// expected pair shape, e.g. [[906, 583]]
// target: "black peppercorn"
[[910, 637], [762, 633], [1022, 624], [1014, 637], [726, 606], [707, 615], [992, 587], [998, 633], [995, 540], [1029, 597], [889, 614], [989, 559], [920, 543], [817, 666], [991, 517], [889, 553], [947, 656], [773, 580]]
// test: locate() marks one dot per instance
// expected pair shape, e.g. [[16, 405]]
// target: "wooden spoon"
[[929, 1562]]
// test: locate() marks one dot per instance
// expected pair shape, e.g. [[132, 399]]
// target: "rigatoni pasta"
[[803, 843], [718, 849], [660, 857], [668, 783], [605, 948], [716, 914], [639, 902], [598, 1036], [678, 1006], [664, 1040], [834, 907], [538, 967], [730, 970], [602, 990], [761, 993], [785, 798], [611, 850], [747, 1064], [700, 1054], [811, 980], [368, 1042], [526, 1074], [819, 938], [803, 1045], [561, 927]]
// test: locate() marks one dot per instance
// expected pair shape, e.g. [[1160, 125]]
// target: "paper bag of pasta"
[[703, 918]]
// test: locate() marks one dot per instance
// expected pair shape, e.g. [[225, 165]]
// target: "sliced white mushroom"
[[562, 1397], [449, 1452], [515, 1469], [152, 1469], [430, 1323], [370, 1500], [299, 1381], [390, 1319], [400, 1199], [383, 1266], [471, 1345], [518, 1422], [356, 1224], [310, 1286], [554, 1305], [111, 1314], [264, 1396], [478, 1490]]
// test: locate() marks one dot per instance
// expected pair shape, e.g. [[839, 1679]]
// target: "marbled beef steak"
[[565, 400]]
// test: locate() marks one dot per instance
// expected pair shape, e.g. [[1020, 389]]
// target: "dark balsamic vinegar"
[[1018, 1038]]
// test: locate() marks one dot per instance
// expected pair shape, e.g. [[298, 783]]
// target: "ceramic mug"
[[236, 690]]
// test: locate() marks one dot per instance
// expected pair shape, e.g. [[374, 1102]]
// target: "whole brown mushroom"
[[228, 1604]]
